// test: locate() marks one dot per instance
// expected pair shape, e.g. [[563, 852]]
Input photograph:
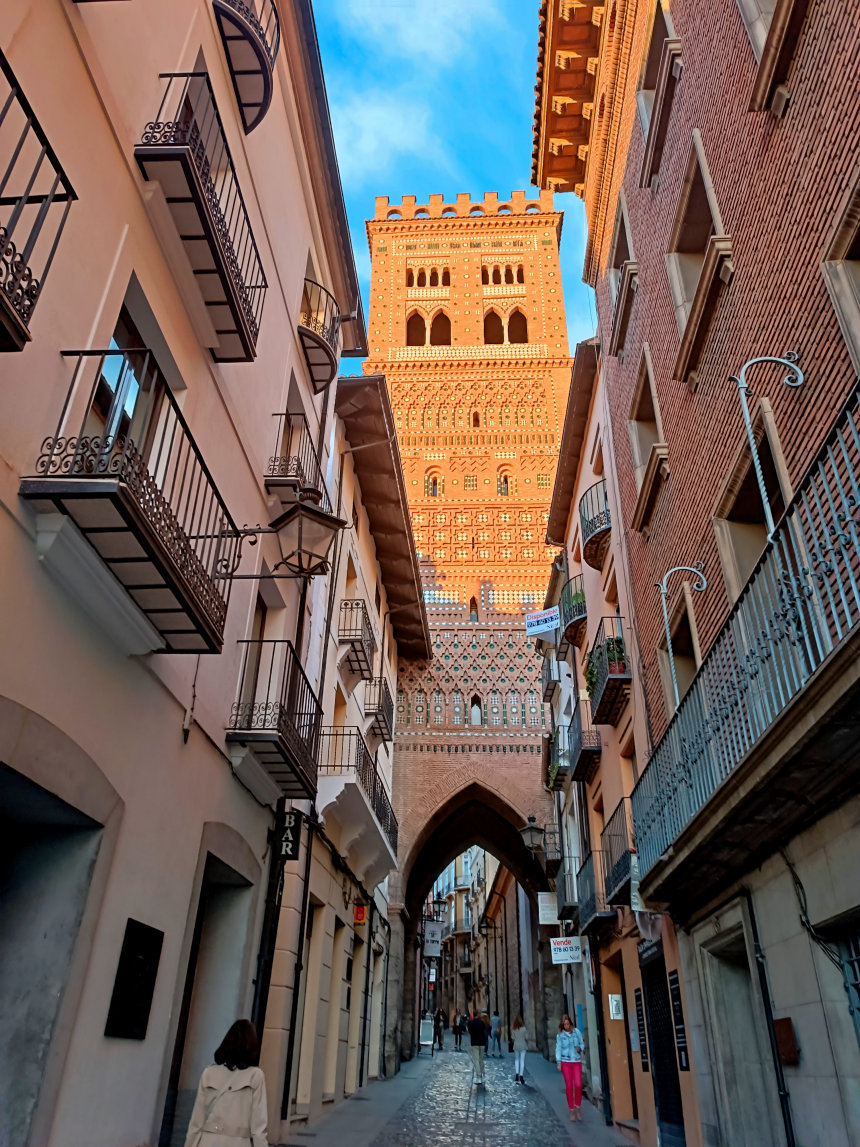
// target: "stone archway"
[[457, 816]]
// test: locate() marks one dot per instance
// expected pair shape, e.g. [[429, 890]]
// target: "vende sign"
[[543, 621], [566, 950]]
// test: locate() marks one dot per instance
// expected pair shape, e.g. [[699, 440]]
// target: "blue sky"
[[438, 96]]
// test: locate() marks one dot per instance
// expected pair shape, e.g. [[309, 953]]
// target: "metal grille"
[[849, 952]]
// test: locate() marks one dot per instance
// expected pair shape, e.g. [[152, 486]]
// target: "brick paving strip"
[[435, 1103]]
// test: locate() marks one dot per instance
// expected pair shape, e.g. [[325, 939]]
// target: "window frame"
[[845, 293]]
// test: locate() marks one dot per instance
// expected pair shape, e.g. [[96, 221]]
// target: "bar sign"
[[291, 835], [640, 1024], [678, 1017]]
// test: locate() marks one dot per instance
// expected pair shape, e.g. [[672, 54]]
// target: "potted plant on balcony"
[[590, 676], [577, 602], [615, 657]]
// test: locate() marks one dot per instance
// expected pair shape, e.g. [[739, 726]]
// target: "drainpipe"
[[367, 954], [297, 974], [266, 951], [601, 1040], [781, 1086], [520, 956]]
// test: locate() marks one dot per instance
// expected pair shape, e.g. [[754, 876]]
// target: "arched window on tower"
[[520, 274], [476, 419], [476, 713], [494, 331], [433, 486], [485, 275], [434, 277], [410, 278], [440, 330], [518, 331], [422, 278], [497, 274], [446, 277], [505, 484], [509, 274], [473, 610], [416, 330]]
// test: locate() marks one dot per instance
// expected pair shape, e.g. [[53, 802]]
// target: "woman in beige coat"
[[230, 1109]]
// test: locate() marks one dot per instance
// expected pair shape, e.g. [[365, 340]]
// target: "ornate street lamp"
[[699, 585], [439, 903], [305, 536], [532, 835]]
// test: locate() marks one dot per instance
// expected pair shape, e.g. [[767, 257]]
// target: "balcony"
[[319, 332], [129, 519], [596, 524], [251, 33], [379, 707], [293, 473], [584, 744], [565, 891], [766, 739], [356, 633], [277, 717], [550, 676], [558, 767], [607, 673], [594, 909], [571, 614], [184, 149], [352, 792], [465, 967], [35, 199], [619, 854], [461, 881], [551, 850]]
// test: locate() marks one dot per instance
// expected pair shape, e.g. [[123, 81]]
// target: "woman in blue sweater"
[[569, 1048]]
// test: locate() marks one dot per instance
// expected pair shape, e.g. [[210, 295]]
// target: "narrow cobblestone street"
[[436, 1103]]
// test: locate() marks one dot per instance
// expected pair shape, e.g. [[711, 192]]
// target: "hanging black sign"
[[678, 1018], [640, 1024], [291, 835]]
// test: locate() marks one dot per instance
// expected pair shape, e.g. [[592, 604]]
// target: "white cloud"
[[430, 33]]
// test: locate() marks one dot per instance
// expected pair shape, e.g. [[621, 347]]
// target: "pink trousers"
[[572, 1073]]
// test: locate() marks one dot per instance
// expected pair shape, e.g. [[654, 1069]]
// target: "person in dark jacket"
[[478, 1039]]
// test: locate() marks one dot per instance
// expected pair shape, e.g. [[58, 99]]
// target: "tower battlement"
[[463, 206]]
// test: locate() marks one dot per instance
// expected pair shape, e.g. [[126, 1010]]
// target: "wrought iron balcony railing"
[[800, 606], [550, 676], [558, 767], [277, 715], [565, 892], [293, 472], [251, 32], [35, 198], [618, 852], [124, 466], [356, 632], [184, 148], [551, 849], [319, 331], [461, 881], [379, 706], [608, 672], [593, 904], [584, 743], [596, 523], [344, 752], [571, 614]]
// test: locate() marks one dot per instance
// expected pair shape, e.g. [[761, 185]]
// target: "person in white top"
[[230, 1108], [521, 1046]]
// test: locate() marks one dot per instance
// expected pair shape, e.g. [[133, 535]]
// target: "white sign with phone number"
[[566, 950]]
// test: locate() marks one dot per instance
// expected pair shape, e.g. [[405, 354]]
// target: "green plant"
[[614, 650], [590, 677], [577, 600]]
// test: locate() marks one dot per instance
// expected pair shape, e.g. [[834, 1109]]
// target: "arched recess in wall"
[[410, 277], [533, 209], [494, 331], [434, 484], [497, 275], [477, 211], [416, 330], [440, 330], [476, 713], [485, 275], [518, 331], [476, 422], [434, 277], [446, 277], [422, 278], [509, 274], [393, 215], [473, 609], [520, 275]]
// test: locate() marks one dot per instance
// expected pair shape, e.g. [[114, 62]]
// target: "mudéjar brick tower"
[[466, 321]]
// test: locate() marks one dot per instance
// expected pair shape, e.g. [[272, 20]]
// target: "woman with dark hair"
[[569, 1049], [230, 1109]]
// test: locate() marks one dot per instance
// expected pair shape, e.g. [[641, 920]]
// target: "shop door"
[[664, 1063]]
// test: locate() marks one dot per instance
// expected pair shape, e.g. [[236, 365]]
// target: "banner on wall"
[[542, 622], [433, 938], [547, 908]]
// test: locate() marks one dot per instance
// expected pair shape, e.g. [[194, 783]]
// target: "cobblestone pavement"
[[436, 1103]]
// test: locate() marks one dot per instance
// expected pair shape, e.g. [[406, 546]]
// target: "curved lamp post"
[[793, 379], [699, 585]]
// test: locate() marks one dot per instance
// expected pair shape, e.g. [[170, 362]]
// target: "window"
[[422, 278], [650, 454], [410, 277], [621, 249], [757, 15], [476, 418], [685, 650], [485, 275], [494, 331], [517, 328], [509, 274], [473, 610], [416, 330], [841, 269], [497, 275], [542, 482], [698, 260], [648, 85], [520, 276], [470, 482], [434, 278], [446, 278], [434, 486], [440, 330], [475, 710], [739, 521]]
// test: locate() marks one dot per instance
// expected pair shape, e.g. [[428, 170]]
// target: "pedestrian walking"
[[439, 1027], [457, 1029], [478, 1040], [496, 1035], [569, 1046], [520, 1042], [230, 1108]]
